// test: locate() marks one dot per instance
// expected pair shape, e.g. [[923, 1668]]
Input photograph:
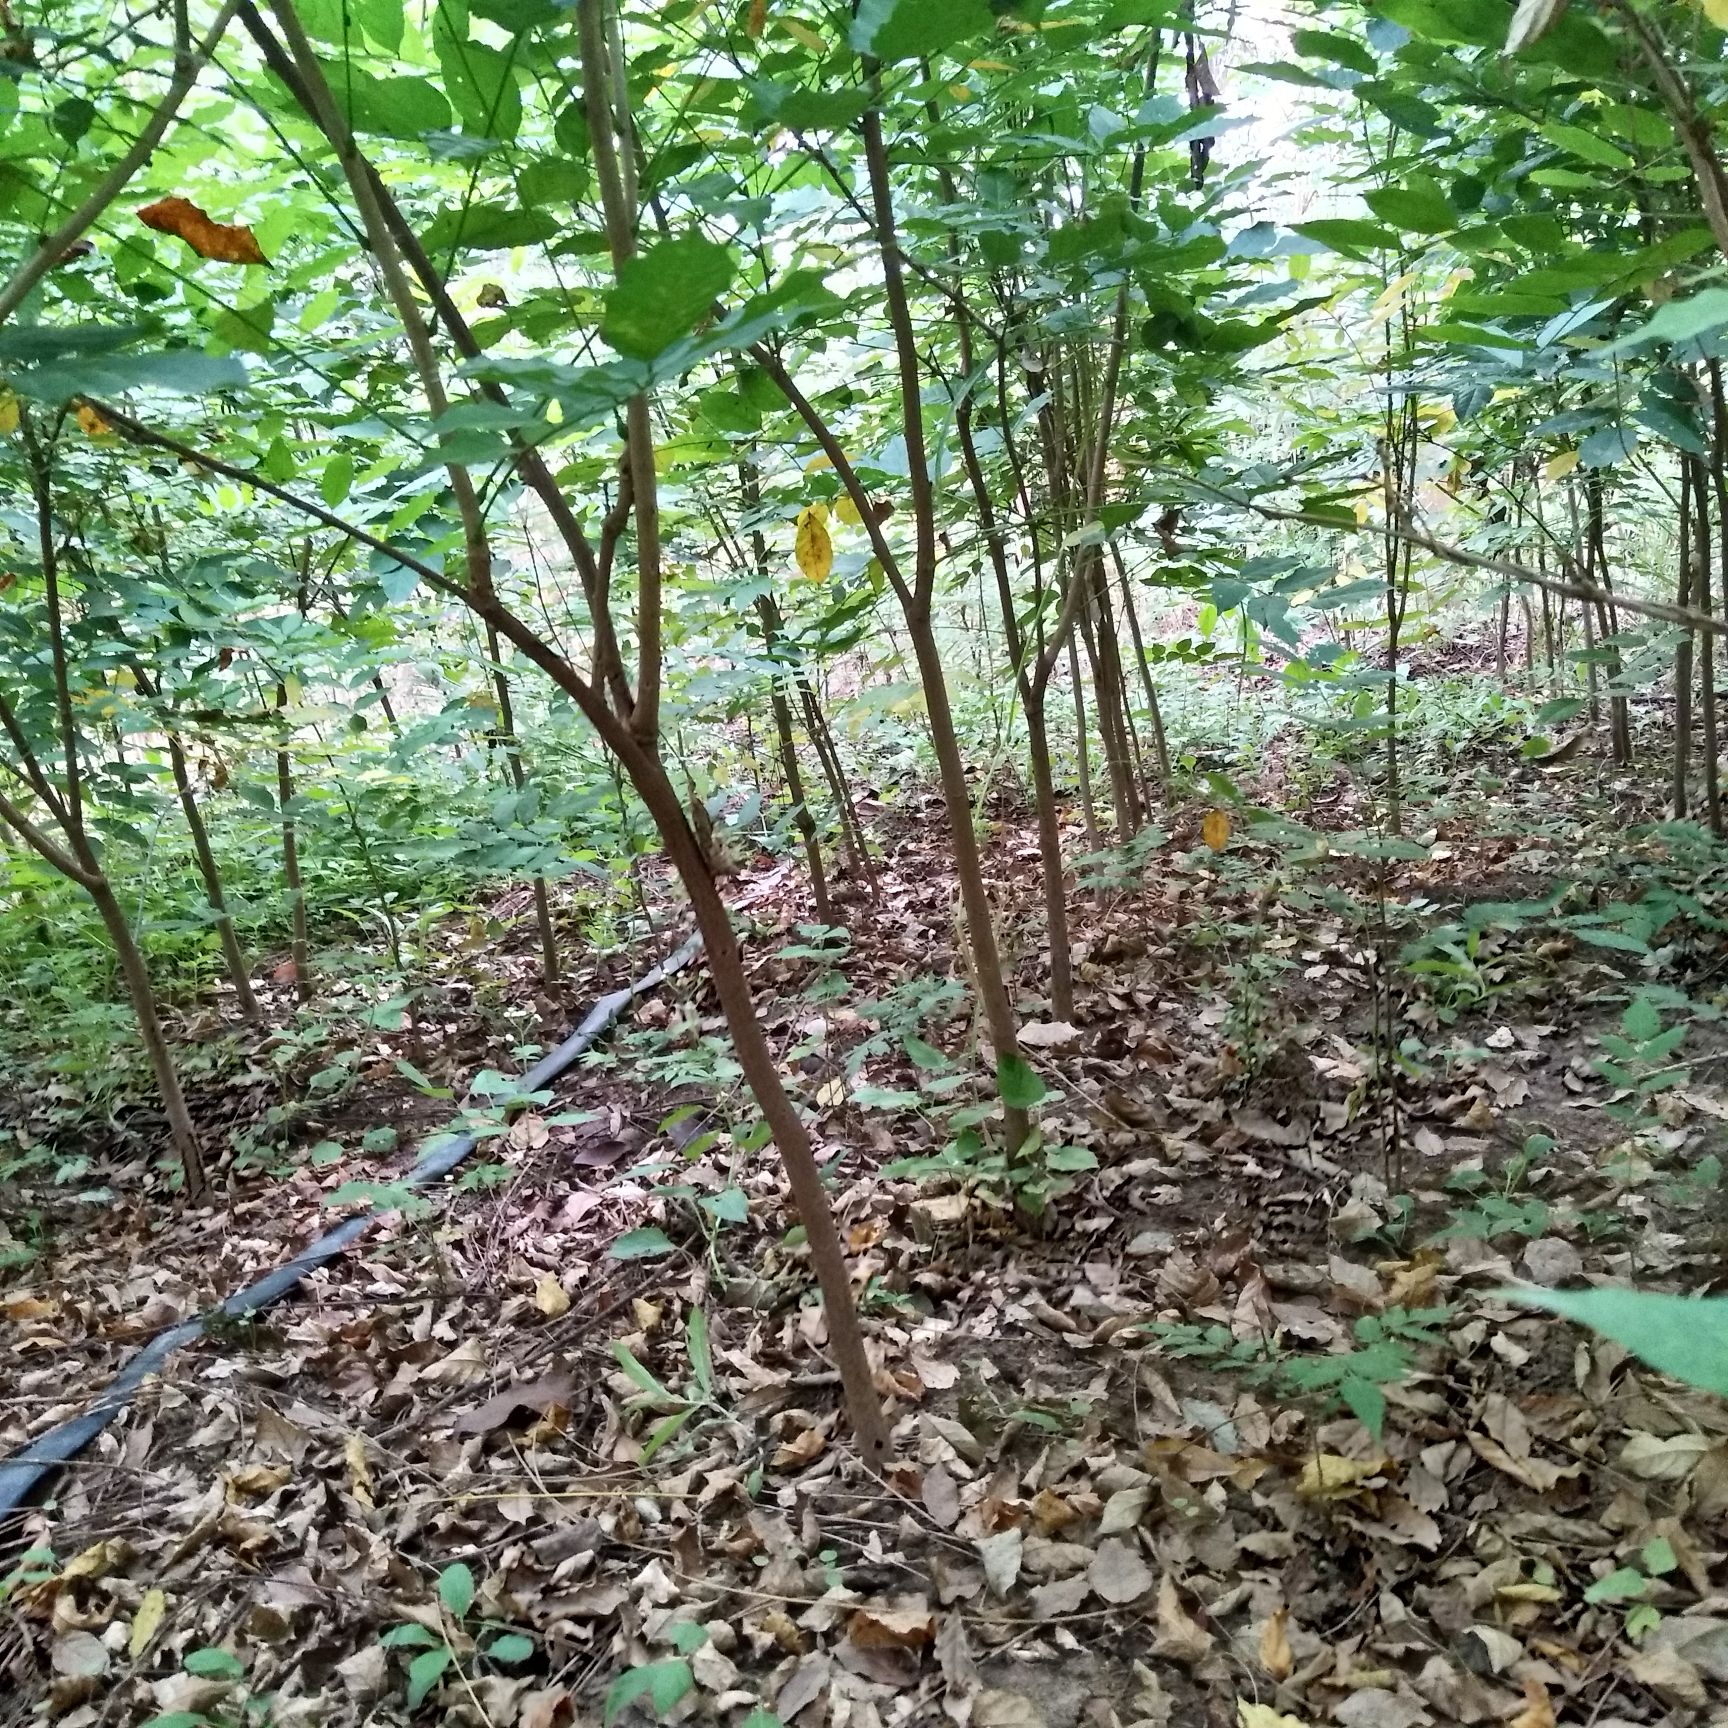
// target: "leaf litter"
[[1234, 1434]]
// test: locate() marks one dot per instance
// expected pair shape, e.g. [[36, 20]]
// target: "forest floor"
[[1239, 1433]]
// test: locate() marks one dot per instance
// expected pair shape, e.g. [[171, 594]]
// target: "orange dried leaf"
[[90, 423], [1215, 830], [221, 242], [1276, 1656], [756, 18]]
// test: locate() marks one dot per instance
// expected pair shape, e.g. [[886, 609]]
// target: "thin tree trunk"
[[630, 727], [133, 970], [234, 957], [1050, 855], [519, 779], [300, 948], [852, 835], [1159, 743], [1691, 485], [1088, 809], [1700, 596], [802, 820]]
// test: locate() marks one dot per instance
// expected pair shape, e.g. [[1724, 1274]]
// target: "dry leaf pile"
[[1112, 1503]]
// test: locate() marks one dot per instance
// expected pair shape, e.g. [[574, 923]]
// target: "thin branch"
[[610, 138], [138, 433], [1572, 590], [58, 856]]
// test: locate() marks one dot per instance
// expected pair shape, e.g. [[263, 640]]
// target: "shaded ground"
[[1136, 1483]]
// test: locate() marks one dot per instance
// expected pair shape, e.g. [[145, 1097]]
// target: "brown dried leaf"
[[221, 242], [905, 1622], [941, 1496], [1276, 1656], [1118, 1571], [535, 1397], [1181, 1638]]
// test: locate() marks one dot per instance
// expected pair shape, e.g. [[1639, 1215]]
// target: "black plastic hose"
[[20, 1474]]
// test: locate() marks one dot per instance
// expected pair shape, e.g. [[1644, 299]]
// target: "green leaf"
[[1352, 235], [1682, 320], [1069, 1159], [382, 20], [663, 293], [1658, 1558], [666, 1429], [337, 478], [662, 1684], [1587, 144], [701, 1355], [910, 29], [213, 1664], [1457, 23], [1016, 1083], [424, 1672], [401, 107], [1623, 1584], [480, 81], [1612, 445], [1418, 205], [488, 228], [641, 1374], [1340, 50], [180, 372], [729, 1206], [1641, 1019], [511, 1648], [456, 1588], [1684, 1336], [648, 1243], [922, 1055], [1366, 1402], [410, 1635]]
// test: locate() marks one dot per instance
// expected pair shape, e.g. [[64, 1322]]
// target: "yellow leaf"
[[1265, 1716], [811, 546], [1215, 830], [1557, 467], [988, 66], [1391, 297], [1716, 11], [550, 1297], [818, 462], [8, 413], [359, 1471], [151, 1612], [847, 511], [1327, 1476], [802, 33], [1538, 1711], [960, 92], [98, 1560], [1276, 1656]]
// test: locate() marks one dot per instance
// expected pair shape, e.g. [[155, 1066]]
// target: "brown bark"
[[233, 955], [519, 779], [631, 732]]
